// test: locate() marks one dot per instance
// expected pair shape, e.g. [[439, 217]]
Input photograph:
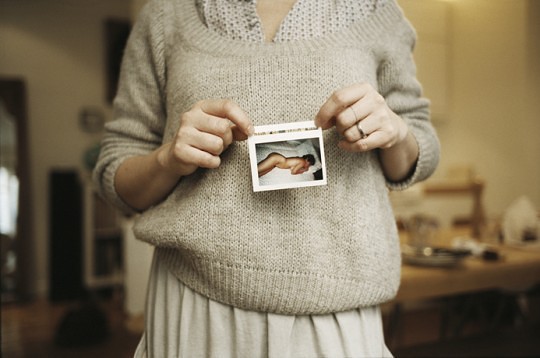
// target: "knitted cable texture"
[[300, 251]]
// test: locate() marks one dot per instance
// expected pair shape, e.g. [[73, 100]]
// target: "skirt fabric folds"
[[182, 323]]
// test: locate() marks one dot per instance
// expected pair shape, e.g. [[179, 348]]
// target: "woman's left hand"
[[361, 115]]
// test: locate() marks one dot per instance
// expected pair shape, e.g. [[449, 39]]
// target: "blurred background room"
[[74, 278]]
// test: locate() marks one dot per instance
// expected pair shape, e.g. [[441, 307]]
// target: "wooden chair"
[[474, 188]]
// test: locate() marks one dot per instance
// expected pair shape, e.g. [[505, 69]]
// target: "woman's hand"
[[363, 118], [361, 115], [205, 131]]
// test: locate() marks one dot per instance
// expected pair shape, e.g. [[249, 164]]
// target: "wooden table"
[[518, 268]]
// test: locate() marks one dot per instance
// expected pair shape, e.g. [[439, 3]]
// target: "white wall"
[[494, 121], [496, 113], [57, 47]]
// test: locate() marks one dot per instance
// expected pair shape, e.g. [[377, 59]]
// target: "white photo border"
[[282, 133]]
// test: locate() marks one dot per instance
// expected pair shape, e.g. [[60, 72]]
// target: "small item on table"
[[490, 254], [477, 249], [521, 223], [433, 256]]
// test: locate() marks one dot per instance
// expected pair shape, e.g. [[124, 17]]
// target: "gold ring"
[[362, 133]]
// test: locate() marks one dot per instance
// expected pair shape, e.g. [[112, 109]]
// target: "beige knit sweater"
[[300, 251]]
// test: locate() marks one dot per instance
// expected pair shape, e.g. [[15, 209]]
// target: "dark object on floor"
[[82, 327]]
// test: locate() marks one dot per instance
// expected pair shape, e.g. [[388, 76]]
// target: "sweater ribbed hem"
[[281, 292]]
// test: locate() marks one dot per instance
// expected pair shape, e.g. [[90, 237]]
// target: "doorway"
[[15, 204]]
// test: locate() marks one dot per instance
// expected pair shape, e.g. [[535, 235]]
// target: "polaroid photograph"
[[286, 156]]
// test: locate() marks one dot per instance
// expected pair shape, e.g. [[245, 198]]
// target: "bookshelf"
[[103, 242]]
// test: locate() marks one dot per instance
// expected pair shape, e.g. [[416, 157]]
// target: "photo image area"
[[287, 156]]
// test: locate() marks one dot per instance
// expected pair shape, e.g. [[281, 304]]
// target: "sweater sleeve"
[[403, 93], [139, 109]]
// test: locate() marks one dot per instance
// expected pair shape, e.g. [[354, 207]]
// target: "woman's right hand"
[[205, 131]]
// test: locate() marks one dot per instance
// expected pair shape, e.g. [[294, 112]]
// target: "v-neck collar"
[[246, 26], [197, 35]]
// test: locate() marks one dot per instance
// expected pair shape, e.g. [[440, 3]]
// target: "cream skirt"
[[181, 323]]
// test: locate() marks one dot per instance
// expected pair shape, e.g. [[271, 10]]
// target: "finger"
[[223, 128], [192, 156], [208, 123], [338, 102], [225, 108], [348, 119], [366, 109], [355, 132], [211, 143], [374, 140], [203, 140], [228, 138], [371, 113], [333, 107], [237, 134]]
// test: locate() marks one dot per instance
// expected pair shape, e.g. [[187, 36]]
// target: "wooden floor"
[[30, 330]]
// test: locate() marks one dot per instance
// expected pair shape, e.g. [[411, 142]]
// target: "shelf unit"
[[102, 249]]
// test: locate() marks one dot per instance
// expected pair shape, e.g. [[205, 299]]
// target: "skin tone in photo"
[[297, 165]]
